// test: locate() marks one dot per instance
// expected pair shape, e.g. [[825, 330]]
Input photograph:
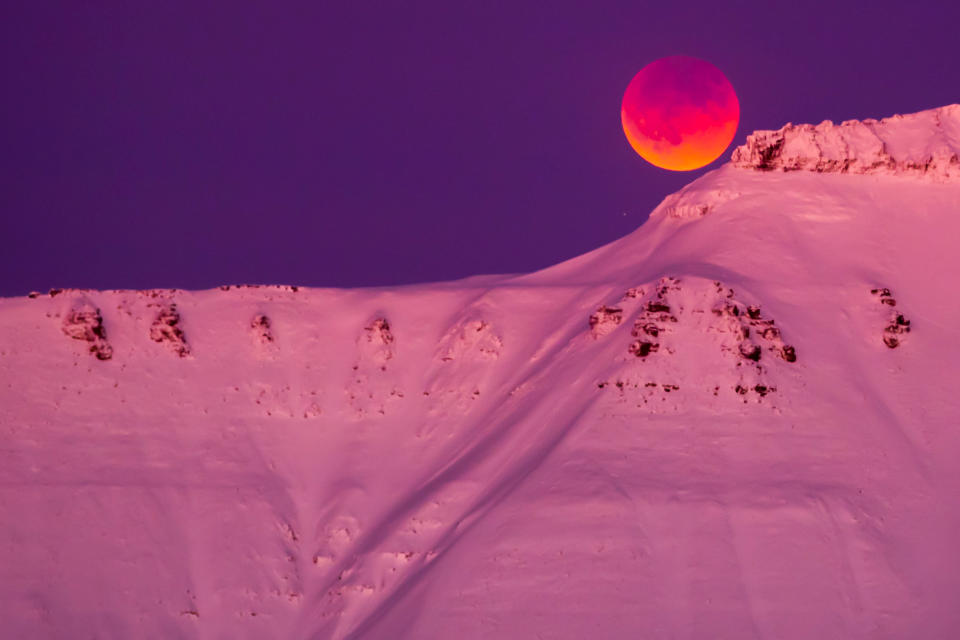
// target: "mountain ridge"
[[738, 417], [926, 143]]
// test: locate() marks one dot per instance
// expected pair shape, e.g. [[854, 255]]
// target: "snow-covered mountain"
[[739, 421]]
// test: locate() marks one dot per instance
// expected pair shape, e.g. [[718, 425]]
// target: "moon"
[[680, 113]]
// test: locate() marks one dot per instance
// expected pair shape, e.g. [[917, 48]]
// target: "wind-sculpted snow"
[[919, 144], [694, 203], [738, 421]]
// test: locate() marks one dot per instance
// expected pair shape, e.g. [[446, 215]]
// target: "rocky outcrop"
[[699, 331], [649, 324], [754, 329], [897, 324], [84, 322], [166, 329], [376, 343], [604, 320], [919, 144], [262, 329], [370, 389]]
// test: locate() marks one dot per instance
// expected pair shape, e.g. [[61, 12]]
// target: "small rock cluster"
[[378, 343], [604, 320], [760, 389], [897, 323], [262, 330], [755, 330], [166, 328], [85, 323], [692, 316], [650, 394], [278, 287], [650, 323], [471, 340]]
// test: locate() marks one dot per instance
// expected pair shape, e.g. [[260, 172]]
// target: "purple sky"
[[192, 144]]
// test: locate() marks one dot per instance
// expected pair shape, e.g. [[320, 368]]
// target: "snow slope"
[[739, 421]]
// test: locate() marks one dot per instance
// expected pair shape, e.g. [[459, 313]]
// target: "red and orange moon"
[[680, 113]]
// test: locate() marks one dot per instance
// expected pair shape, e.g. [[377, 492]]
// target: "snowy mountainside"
[[738, 421]]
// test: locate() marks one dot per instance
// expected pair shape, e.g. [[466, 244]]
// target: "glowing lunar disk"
[[680, 113]]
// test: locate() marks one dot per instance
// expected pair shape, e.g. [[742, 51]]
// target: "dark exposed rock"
[[752, 322], [262, 329], [643, 348], [376, 344], [604, 320], [742, 331], [649, 322], [897, 324], [729, 309], [768, 154], [770, 333], [166, 328], [750, 351], [896, 328], [649, 329], [379, 330], [85, 323]]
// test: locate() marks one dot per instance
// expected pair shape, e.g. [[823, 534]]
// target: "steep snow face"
[[921, 144], [738, 421]]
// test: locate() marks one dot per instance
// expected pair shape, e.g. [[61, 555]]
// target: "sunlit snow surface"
[[480, 459]]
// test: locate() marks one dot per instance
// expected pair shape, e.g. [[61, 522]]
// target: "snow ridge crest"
[[925, 144]]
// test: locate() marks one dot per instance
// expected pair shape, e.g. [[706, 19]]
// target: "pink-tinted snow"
[[701, 430]]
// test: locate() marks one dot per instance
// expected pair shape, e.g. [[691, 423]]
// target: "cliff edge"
[[926, 144]]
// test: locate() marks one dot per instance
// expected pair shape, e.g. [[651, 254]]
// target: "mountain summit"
[[921, 144], [738, 421]]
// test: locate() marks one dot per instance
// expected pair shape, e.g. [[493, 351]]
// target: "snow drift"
[[739, 421]]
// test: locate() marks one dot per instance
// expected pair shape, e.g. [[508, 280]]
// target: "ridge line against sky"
[[181, 145]]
